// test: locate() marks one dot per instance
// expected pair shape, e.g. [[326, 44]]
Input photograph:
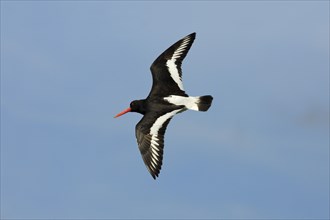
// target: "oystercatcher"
[[166, 98]]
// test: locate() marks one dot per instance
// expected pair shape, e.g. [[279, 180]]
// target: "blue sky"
[[261, 151]]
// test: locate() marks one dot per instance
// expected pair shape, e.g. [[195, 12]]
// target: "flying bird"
[[166, 99]]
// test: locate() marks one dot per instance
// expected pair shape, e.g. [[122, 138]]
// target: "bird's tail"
[[196, 103], [204, 102]]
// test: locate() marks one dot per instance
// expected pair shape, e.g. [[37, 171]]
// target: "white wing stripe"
[[153, 166], [154, 161], [154, 147], [172, 68], [154, 152], [157, 125], [154, 142]]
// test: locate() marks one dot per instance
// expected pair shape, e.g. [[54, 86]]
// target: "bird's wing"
[[150, 137], [166, 69]]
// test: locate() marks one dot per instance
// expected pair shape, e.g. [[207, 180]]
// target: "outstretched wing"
[[166, 69], [150, 137]]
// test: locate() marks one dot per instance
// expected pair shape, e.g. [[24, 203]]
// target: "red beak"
[[123, 112]]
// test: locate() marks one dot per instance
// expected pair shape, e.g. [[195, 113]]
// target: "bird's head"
[[134, 106]]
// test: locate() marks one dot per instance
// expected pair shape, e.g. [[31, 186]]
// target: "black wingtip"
[[154, 175], [192, 35], [204, 103]]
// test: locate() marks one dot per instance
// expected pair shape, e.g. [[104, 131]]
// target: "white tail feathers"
[[198, 103]]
